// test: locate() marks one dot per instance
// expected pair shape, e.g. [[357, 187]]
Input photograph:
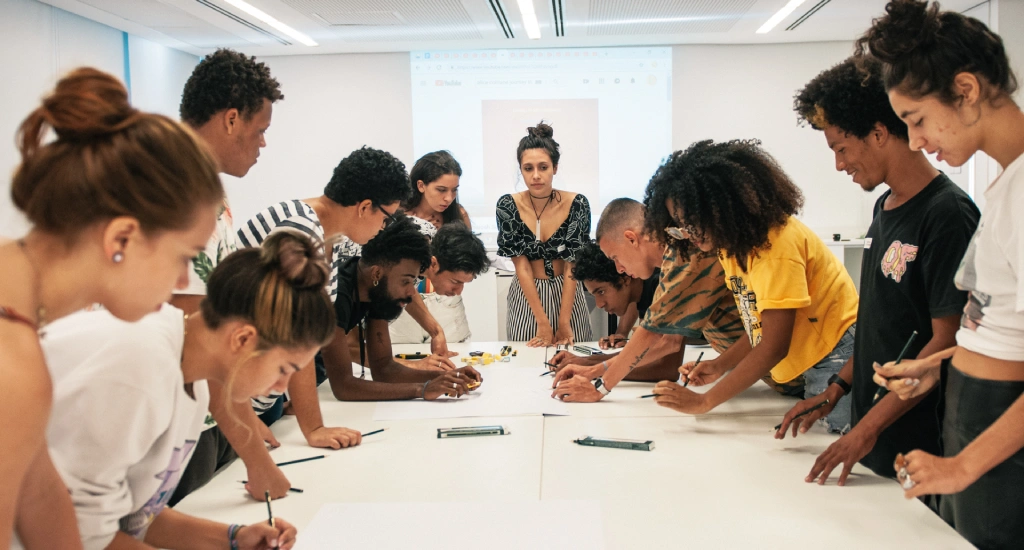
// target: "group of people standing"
[[143, 355]]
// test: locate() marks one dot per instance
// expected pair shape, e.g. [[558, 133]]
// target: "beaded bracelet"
[[233, 530]]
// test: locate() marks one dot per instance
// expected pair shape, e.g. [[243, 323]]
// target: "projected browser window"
[[610, 108]]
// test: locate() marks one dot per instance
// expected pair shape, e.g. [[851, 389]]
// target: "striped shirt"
[[693, 301], [293, 214]]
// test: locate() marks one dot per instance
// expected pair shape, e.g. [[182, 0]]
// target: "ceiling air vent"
[[499, 13], [237, 19], [814, 9]]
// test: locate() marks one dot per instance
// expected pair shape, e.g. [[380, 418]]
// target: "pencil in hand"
[[697, 362], [808, 411], [881, 390]]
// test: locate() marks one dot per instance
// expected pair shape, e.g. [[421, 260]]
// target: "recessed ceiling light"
[[779, 16], [529, 19], [263, 16]]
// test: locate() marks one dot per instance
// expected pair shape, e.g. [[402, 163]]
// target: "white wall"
[[333, 104], [44, 43], [746, 91]]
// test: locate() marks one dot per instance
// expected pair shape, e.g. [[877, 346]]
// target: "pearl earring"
[[118, 257]]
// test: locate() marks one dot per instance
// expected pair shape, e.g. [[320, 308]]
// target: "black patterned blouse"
[[516, 239]]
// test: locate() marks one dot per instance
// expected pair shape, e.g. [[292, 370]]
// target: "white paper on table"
[[507, 402], [494, 525], [505, 392]]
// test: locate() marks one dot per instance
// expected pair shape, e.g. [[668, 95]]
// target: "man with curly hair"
[[228, 101], [627, 297], [919, 232]]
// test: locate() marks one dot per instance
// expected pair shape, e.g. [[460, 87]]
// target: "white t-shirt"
[[992, 271], [122, 428], [221, 243]]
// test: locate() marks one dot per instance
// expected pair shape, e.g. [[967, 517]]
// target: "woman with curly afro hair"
[[797, 302]]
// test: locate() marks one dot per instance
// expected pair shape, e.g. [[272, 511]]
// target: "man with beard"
[[377, 286]]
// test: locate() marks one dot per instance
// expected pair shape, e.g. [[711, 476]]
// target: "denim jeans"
[[816, 381]]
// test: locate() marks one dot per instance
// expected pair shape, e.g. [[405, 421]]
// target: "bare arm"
[[627, 321], [46, 517], [644, 348], [418, 310], [568, 299], [524, 272], [776, 334], [29, 397], [382, 361], [174, 530], [663, 368], [347, 387]]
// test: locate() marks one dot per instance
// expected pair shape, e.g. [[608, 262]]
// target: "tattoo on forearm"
[[639, 358]]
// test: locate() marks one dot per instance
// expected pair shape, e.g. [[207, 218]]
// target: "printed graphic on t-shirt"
[[136, 522], [746, 301], [896, 258], [974, 311]]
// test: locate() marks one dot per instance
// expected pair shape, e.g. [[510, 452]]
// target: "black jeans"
[[990, 512]]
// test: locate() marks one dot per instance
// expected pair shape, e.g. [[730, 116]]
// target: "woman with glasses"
[[541, 229], [796, 300]]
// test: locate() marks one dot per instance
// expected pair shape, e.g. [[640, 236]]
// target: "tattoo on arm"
[[639, 358]]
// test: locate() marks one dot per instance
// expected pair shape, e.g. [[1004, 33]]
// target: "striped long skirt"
[[522, 325]]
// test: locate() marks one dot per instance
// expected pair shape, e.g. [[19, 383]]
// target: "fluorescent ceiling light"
[[263, 16], [529, 19], [779, 16]]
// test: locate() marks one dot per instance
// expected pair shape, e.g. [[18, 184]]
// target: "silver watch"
[[600, 387]]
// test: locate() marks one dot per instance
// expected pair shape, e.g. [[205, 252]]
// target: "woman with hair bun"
[[119, 203], [949, 79], [122, 435], [541, 229]]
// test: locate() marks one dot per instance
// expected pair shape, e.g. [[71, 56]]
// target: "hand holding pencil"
[[699, 372], [263, 536]]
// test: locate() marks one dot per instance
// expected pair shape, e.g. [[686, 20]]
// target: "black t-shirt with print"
[[911, 254], [647, 294]]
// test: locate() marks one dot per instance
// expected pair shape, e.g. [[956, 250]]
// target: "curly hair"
[[592, 265], [400, 240], [368, 174], [458, 249], [227, 79], [733, 193], [923, 49], [851, 97], [430, 168]]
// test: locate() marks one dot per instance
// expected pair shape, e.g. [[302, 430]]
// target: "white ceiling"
[[200, 26]]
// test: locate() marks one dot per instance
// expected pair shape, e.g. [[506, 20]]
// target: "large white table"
[[715, 481]]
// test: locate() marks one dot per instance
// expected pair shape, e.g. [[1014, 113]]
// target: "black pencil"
[[881, 390], [687, 381], [270, 514], [374, 432], [808, 411], [318, 457], [646, 396], [292, 489]]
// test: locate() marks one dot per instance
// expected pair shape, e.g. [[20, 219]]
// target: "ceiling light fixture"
[[263, 16], [529, 19], [779, 16]]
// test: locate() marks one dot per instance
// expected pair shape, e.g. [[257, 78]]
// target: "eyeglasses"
[[682, 233], [388, 218]]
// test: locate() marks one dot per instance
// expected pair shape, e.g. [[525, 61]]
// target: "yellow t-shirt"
[[798, 272]]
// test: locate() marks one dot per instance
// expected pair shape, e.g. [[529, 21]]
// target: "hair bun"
[[88, 103], [908, 25], [541, 130], [297, 257]]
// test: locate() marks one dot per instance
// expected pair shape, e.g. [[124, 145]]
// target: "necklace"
[[40, 309], [541, 213]]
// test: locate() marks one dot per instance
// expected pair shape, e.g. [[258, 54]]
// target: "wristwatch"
[[843, 384], [600, 387]]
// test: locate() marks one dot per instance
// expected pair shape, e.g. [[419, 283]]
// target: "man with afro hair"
[[920, 230]]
